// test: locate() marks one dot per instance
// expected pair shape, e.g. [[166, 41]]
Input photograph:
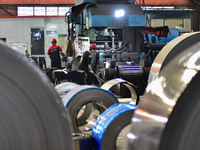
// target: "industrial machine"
[[118, 28], [81, 45]]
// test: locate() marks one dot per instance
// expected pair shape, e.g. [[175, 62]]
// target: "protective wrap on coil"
[[172, 121], [110, 123], [31, 112], [83, 95], [170, 51]]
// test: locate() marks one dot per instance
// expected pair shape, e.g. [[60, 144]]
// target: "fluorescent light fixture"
[[119, 13]]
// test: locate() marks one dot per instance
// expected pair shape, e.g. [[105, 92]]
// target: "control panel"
[[81, 45]]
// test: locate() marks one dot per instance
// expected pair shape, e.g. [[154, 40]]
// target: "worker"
[[85, 62], [54, 54]]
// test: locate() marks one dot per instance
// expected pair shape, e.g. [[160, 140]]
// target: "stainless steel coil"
[[134, 99], [77, 99], [168, 115], [31, 112], [170, 51]]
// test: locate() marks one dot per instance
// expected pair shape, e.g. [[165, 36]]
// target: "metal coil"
[[170, 51], [110, 123], [134, 94], [77, 99], [65, 87], [31, 112], [130, 69], [168, 115]]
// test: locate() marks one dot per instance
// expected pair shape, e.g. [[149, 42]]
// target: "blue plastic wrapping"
[[106, 118]]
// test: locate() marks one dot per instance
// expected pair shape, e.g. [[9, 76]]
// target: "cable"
[[148, 21], [196, 1], [7, 11]]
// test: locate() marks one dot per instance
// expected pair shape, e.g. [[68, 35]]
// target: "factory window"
[[39, 11], [25, 11], [62, 10], [42, 11], [52, 11]]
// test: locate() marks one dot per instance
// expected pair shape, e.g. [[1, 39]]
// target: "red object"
[[93, 46], [53, 41], [54, 47], [159, 31]]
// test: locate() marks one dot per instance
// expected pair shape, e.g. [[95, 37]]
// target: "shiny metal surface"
[[65, 87], [161, 96], [174, 47], [85, 96], [84, 113], [134, 94], [110, 124], [31, 113]]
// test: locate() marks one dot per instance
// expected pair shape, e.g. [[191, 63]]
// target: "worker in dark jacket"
[[54, 54], [85, 62]]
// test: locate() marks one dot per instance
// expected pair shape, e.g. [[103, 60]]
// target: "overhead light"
[[119, 13]]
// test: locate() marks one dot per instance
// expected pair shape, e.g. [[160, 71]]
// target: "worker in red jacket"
[[54, 54]]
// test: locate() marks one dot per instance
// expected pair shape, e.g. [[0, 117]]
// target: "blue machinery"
[[116, 26], [101, 14]]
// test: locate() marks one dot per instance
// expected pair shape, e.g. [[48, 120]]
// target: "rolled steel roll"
[[83, 141], [129, 70], [105, 73], [83, 95], [110, 64], [170, 51], [65, 87], [108, 73], [31, 112], [134, 94], [132, 72], [168, 115], [109, 125]]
